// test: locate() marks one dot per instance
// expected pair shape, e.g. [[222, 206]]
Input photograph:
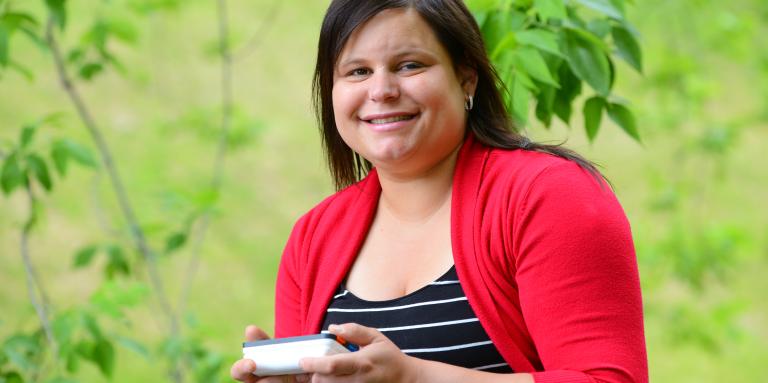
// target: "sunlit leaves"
[[587, 58], [58, 11], [550, 9], [12, 174], [116, 260], [115, 295], [593, 113], [627, 47], [63, 150], [545, 50], [39, 170], [611, 8], [530, 61], [624, 117]]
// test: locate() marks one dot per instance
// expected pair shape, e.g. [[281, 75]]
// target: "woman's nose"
[[384, 87]]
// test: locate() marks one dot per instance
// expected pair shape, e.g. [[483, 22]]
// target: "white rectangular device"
[[281, 356]]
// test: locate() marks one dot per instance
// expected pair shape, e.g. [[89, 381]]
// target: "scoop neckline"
[[350, 294]]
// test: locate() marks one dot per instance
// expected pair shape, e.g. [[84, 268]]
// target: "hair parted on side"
[[457, 31]]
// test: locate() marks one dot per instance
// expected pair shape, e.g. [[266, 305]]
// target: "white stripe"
[[491, 366], [341, 295], [424, 325], [444, 283], [449, 348], [398, 307]]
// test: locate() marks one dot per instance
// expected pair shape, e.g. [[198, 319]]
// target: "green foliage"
[[544, 49], [26, 161]]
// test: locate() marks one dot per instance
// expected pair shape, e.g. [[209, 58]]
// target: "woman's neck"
[[417, 198]]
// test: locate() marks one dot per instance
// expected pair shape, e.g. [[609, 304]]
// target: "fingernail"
[[335, 328]]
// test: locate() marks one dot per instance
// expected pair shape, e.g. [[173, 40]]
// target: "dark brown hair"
[[460, 35]]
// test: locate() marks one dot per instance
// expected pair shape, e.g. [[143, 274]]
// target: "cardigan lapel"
[[344, 240], [466, 224]]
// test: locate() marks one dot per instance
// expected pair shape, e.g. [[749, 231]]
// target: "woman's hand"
[[378, 359], [243, 369]]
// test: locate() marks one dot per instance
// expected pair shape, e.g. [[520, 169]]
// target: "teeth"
[[390, 119]]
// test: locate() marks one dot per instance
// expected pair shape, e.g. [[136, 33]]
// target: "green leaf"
[[84, 256], [175, 241], [12, 174], [89, 70], [77, 152], [58, 11], [599, 27], [587, 59], [117, 262], [570, 89], [5, 39], [60, 156], [531, 62], [40, 171], [92, 325], [606, 7], [593, 113], [504, 46], [27, 134], [544, 104], [623, 117], [540, 38], [550, 9], [520, 99], [628, 47]]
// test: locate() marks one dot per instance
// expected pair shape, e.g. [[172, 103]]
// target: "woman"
[[541, 282]]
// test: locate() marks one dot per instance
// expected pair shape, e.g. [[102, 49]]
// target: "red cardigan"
[[543, 251]]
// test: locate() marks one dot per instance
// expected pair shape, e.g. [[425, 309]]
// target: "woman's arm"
[[578, 281]]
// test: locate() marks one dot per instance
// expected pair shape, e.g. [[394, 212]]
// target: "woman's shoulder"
[[526, 169]]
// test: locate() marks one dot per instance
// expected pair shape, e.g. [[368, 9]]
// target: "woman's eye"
[[358, 72], [410, 66]]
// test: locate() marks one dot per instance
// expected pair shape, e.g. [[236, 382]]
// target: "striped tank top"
[[435, 322]]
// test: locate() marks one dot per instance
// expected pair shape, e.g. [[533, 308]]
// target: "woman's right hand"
[[243, 369]]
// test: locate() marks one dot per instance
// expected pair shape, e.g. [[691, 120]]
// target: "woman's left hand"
[[378, 359]]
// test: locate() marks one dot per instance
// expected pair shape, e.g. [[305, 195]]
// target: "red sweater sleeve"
[[288, 290], [578, 281]]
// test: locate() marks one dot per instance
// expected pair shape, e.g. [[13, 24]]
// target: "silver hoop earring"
[[469, 103]]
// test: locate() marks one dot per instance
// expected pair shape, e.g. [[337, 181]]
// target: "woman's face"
[[397, 99]]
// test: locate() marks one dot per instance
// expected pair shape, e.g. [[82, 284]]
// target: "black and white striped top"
[[435, 322]]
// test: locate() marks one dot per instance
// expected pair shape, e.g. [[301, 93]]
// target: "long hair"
[[460, 35]]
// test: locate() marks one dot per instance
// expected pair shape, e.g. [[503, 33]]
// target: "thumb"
[[355, 333], [253, 333]]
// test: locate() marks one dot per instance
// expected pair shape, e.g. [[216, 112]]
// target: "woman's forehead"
[[392, 31]]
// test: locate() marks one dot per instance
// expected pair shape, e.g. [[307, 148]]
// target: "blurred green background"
[[694, 190]]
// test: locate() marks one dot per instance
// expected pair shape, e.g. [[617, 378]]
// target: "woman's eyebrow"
[[398, 55]]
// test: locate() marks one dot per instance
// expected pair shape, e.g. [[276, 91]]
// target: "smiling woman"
[[455, 248]]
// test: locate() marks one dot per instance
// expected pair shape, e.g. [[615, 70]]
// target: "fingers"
[[331, 365], [243, 370], [355, 333], [253, 333]]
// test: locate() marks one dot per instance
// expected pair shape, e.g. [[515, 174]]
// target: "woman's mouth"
[[389, 120]]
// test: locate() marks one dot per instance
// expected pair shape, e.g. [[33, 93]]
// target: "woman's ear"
[[468, 79]]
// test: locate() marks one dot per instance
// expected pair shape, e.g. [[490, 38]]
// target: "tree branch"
[[258, 37], [218, 163], [137, 233], [34, 287]]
